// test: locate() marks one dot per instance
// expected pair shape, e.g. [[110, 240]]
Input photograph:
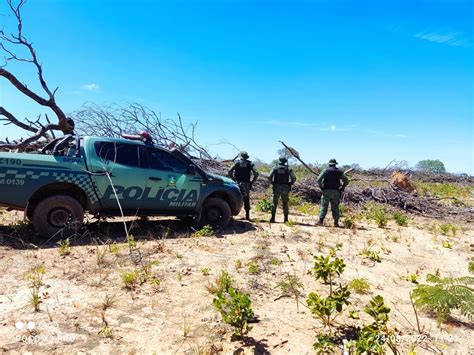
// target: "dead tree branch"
[[18, 40]]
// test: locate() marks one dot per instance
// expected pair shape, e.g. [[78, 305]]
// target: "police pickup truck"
[[111, 177]]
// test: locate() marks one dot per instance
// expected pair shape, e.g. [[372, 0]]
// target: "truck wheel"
[[59, 214], [216, 212]]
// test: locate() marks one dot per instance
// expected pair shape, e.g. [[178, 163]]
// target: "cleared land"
[[84, 304]]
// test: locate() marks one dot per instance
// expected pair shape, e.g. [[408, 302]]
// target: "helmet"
[[244, 154], [333, 162], [283, 160]]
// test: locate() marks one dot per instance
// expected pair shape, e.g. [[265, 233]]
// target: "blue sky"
[[362, 81]]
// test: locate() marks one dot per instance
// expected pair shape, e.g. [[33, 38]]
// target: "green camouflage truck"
[[73, 175]]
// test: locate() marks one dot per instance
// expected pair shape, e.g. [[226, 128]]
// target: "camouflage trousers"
[[245, 190], [333, 197], [283, 191]]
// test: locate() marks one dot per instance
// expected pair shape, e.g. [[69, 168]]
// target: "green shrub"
[[326, 309], [470, 267], [400, 218], [443, 295], [326, 269], [131, 279], [234, 306], [253, 268], [64, 247], [308, 209], [360, 285], [377, 213], [291, 286], [264, 205], [448, 228], [206, 231]]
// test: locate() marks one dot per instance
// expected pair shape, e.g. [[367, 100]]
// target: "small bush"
[[64, 247], [400, 218], [448, 228], [253, 268], [377, 213], [308, 209], [264, 205], [205, 231], [470, 267], [206, 271], [373, 255], [360, 285], [131, 279]]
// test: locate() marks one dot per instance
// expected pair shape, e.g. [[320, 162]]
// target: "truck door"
[[124, 164], [170, 185]]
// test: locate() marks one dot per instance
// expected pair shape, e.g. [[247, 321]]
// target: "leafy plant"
[[205, 231], [291, 286], [349, 222], [238, 264], [470, 267], [35, 277], [372, 338], [377, 213], [290, 223], [326, 269], [324, 344], [326, 309], [253, 268], [360, 285], [373, 255], [64, 247], [447, 244], [131, 279], [308, 209], [222, 282], [235, 307], [413, 278], [443, 295], [275, 261], [400, 218], [264, 205], [206, 271], [447, 228]]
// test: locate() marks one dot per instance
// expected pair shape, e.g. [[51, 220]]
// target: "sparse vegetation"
[[264, 205], [360, 285], [206, 231], [400, 218], [448, 229], [291, 286], [64, 247]]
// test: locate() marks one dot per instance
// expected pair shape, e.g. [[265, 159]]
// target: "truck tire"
[[215, 212], [58, 215]]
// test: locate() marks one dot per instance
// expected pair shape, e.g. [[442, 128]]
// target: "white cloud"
[[91, 87], [450, 38]]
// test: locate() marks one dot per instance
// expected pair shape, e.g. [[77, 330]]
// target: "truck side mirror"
[[191, 169]]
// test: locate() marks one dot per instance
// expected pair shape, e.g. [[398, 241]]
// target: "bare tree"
[[10, 45]]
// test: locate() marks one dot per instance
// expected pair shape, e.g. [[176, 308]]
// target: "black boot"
[[272, 220], [336, 223], [286, 219], [247, 215], [320, 222]]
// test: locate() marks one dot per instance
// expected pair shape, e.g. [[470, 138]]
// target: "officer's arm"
[[255, 174], [345, 181], [292, 177], [270, 177], [321, 178], [232, 171]]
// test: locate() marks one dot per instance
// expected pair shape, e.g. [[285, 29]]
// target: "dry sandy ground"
[[177, 316]]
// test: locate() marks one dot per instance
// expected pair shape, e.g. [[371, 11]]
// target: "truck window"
[[161, 160], [123, 154]]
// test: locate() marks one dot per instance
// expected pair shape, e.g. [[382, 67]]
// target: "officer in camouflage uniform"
[[330, 182], [282, 178], [241, 172]]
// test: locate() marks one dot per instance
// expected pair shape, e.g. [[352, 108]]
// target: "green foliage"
[[349, 222], [35, 278], [253, 268], [324, 344], [326, 309], [360, 285], [442, 295], [470, 267], [431, 166], [131, 279], [264, 205], [234, 306], [294, 200], [327, 269], [372, 338], [290, 223], [206, 271], [377, 213], [238, 264], [400, 218], [447, 229], [223, 282], [442, 189], [447, 244], [342, 209], [291, 286], [413, 278], [205, 231], [373, 255], [64, 247], [308, 209], [275, 261]]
